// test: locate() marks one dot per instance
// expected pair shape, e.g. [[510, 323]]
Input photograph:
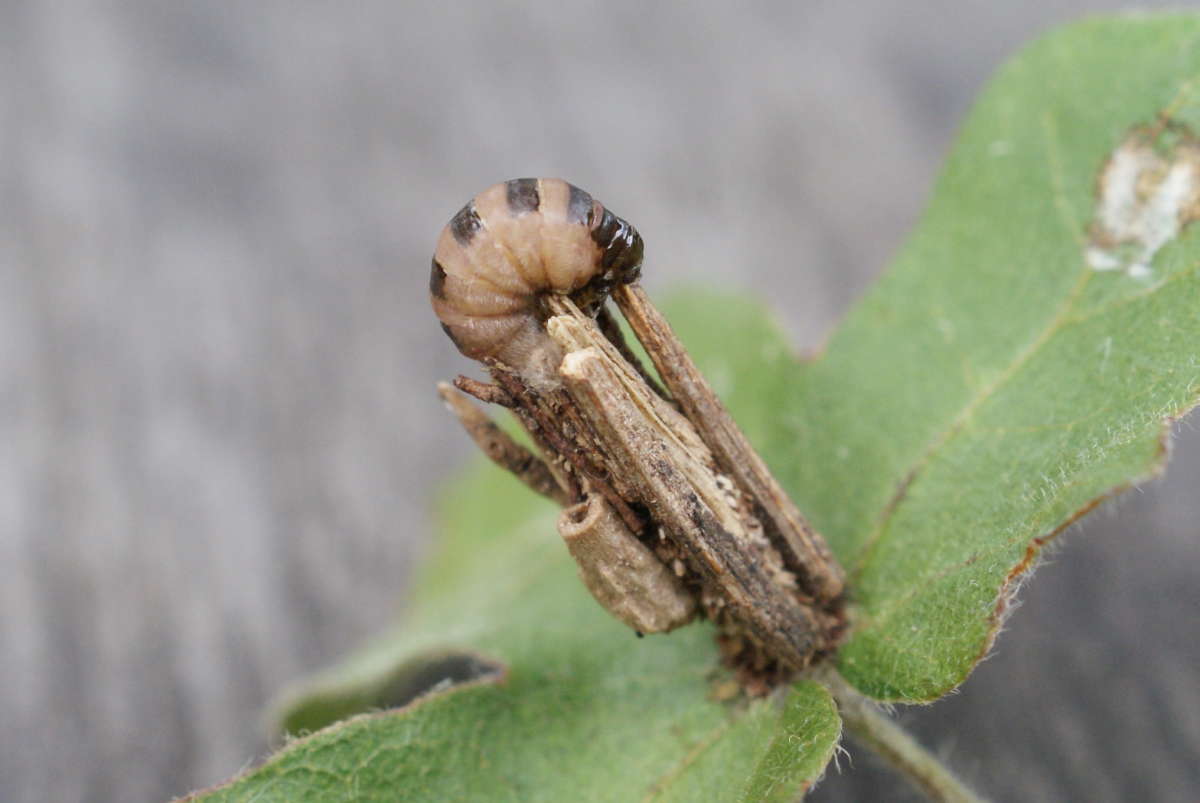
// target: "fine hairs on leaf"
[[1018, 363]]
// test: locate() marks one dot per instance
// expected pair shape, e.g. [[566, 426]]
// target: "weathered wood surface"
[[218, 425]]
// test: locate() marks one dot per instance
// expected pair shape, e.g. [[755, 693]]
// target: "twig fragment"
[[486, 392], [611, 330], [623, 574], [657, 450], [803, 549], [502, 449]]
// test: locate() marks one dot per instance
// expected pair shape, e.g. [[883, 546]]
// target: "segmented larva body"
[[514, 243]]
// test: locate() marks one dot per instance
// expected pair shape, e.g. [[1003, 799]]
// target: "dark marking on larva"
[[632, 267], [579, 206], [466, 224], [522, 195], [591, 250], [603, 234], [622, 246], [437, 280], [450, 334]]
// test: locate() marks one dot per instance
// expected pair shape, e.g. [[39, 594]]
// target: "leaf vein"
[[956, 426]]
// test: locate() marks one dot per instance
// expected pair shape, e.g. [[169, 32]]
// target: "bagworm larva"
[[514, 243]]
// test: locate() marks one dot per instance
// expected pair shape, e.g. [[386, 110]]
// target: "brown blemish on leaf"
[[1016, 575]]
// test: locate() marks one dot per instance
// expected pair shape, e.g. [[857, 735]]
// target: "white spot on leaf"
[[1148, 191], [1100, 259]]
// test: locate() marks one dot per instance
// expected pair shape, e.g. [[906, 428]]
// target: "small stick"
[[502, 449], [804, 550], [546, 421], [612, 332], [486, 392], [683, 497], [623, 574]]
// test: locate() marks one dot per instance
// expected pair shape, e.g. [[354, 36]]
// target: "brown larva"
[[670, 511], [511, 245]]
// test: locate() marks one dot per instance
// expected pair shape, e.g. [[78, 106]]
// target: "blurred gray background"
[[218, 431]]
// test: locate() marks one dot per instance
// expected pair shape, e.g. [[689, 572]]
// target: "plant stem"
[[876, 730]]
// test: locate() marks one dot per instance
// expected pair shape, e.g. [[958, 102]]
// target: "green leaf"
[[1015, 365], [575, 708], [1012, 368], [543, 739]]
